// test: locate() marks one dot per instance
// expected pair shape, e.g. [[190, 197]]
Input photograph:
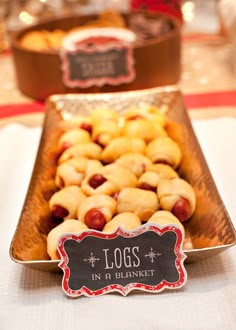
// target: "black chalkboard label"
[[149, 258], [98, 65]]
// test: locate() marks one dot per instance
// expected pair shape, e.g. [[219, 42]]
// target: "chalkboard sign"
[[96, 65], [148, 259]]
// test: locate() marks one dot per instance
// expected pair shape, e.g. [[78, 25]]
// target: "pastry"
[[154, 114], [69, 226], [108, 180], [95, 211], [142, 202], [165, 218], [73, 171], [126, 220], [90, 150], [104, 131], [142, 128], [148, 181], [177, 196], [136, 162], [164, 171], [154, 173], [120, 146], [64, 203], [34, 40], [164, 150], [81, 122], [42, 40], [106, 114], [72, 137]]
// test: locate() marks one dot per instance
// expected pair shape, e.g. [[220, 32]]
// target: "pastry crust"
[[69, 226], [142, 202], [156, 115], [81, 122], [165, 218], [164, 150], [104, 131], [142, 128], [164, 171], [105, 204], [115, 178], [120, 146], [126, 220], [90, 150], [73, 171], [149, 181], [106, 114], [34, 40], [134, 161], [171, 191], [67, 199], [72, 137]]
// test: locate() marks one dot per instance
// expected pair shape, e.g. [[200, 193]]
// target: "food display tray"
[[208, 232]]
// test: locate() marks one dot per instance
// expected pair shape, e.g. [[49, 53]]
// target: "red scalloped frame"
[[124, 290]]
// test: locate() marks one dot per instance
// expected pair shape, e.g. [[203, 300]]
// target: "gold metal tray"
[[210, 229]]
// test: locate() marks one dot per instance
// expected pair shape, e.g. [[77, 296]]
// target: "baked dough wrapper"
[[73, 171], [90, 150], [105, 204], [126, 220], [120, 146], [142, 128], [164, 150], [72, 137], [69, 226], [141, 202], [171, 191], [136, 162], [67, 199], [117, 177]]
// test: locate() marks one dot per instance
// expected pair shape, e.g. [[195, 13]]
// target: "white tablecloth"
[[32, 299]]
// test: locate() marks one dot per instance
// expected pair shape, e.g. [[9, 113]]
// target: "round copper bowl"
[[39, 75]]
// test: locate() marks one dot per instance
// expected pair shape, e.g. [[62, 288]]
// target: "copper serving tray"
[[210, 229]]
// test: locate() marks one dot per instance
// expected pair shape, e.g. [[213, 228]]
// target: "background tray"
[[39, 74], [210, 229]]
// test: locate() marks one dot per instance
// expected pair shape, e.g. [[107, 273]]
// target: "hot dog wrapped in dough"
[[126, 220], [105, 114], [142, 128], [120, 146], [108, 180], [148, 181], [104, 131], [72, 137], [95, 211], [177, 196], [72, 171], [164, 150], [64, 203], [142, 202], [69, 226], [156, 115], [164, 171], [154, 173], [135, 162], [90, 150], [82, 122], [165, 218], [105, 125]]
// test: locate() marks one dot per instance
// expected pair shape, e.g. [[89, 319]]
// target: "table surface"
[[32, 299]]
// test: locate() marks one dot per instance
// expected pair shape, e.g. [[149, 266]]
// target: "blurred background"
[[208, 37]]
